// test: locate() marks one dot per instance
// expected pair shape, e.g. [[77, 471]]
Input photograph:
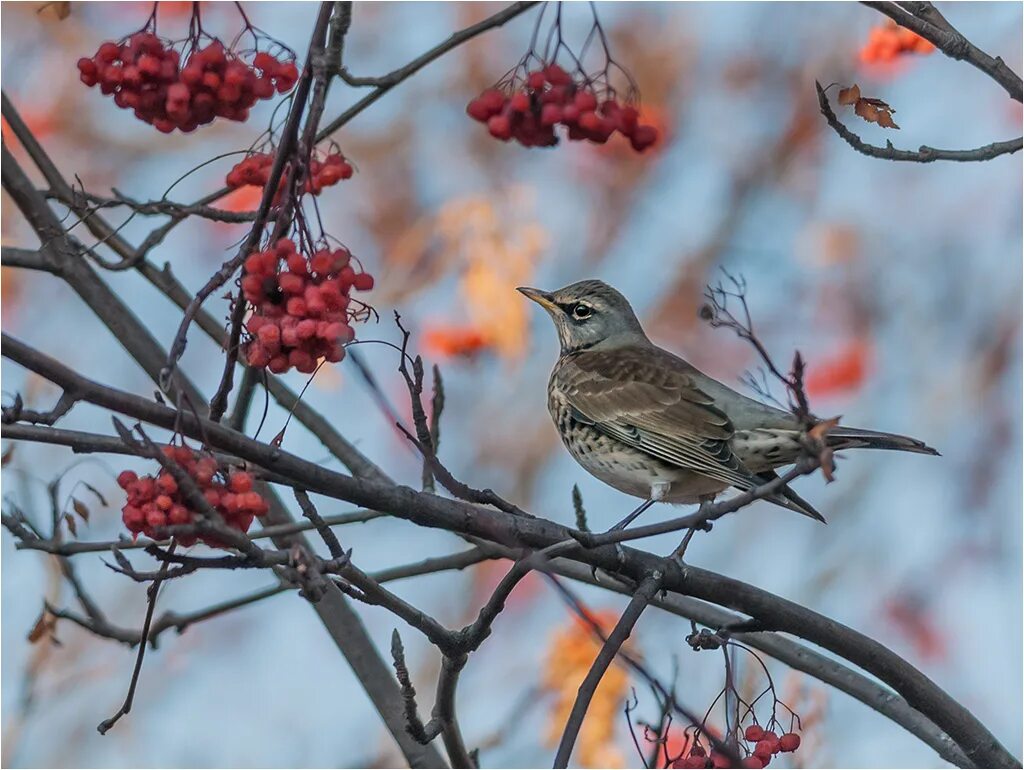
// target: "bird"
[[650, 424]]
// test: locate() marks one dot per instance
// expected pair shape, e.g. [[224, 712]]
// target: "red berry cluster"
[[255, 170], [155, 501], [301, 313], [551, 97], [766, 745], [145, 75]]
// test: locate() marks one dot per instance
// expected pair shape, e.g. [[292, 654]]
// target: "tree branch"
[[923, 154], [496, 526], [926, 21]]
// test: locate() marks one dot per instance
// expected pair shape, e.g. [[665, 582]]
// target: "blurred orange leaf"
[[489, 573], [454, 341], [570, 654], [911, 616], [497, 245], [846, 370], [888, 41]]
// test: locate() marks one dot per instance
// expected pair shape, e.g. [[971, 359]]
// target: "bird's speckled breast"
[[621, 466]]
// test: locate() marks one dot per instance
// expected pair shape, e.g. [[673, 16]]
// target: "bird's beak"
[[542, 298]]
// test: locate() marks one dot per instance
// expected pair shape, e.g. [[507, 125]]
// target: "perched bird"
[[652, 425]]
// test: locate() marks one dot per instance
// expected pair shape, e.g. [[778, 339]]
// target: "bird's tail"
[[855, 438], [789, 499]]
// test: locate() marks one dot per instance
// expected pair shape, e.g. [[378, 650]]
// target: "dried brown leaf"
[[80, 508], [819, 439], [849, 95], [870, 109], [72, 524], [6, 456]]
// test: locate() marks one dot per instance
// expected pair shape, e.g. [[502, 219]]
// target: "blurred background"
[[900, 284]]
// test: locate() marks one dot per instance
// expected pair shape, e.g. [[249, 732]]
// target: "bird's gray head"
[[588, 314]]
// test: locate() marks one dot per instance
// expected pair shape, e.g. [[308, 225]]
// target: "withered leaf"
[[820, 430], [818, 435], [44, 627], [6, 456], [80, 508], [870, 109], [72, 524], [849, 95]]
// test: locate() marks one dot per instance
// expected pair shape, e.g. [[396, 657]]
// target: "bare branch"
[[923, 154], [924, 19]]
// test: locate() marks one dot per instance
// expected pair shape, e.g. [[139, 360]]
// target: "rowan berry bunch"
[[550, 96], [156, 501], [182, 90], [302, 307], [538, 95], [757, 743], [326, 171], [761, 744]]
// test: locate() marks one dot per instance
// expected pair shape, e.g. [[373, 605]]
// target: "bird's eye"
[[581, 311]]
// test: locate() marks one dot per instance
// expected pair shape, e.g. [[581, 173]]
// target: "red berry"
[[362, 282], [626, 119], [570, 113], [557, 76], [126, 479], [179, 515], [178, 92], [789, 742], [550, 115], [478, 109], [287, 76], [585, 101], [291, 284], [536, 80], [256, 355], [520, 102], [690, 762], [589, 121], [754, 733], [166, 483], [752, 761], [643, 137], [108, 52], [500, 127], [493, 99]]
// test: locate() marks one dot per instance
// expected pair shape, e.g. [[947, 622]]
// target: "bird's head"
[[588, 314]]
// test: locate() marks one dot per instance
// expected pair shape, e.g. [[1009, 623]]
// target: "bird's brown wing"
[[645, 398]]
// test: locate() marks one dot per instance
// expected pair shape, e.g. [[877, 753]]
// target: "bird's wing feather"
[[643, 398]]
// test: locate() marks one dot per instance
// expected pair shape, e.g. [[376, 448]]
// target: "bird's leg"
[[632, 516], [659, 489]]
